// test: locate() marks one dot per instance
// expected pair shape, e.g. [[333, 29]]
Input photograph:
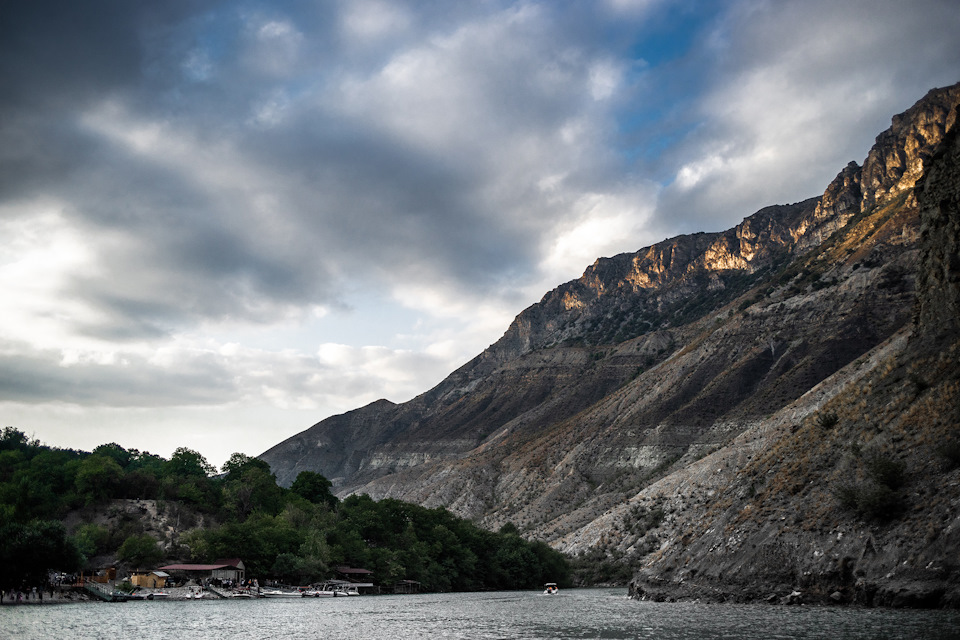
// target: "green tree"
[[187, 462], [316, 554], [314, 487], [147, 462], [258, 540], [13, 439], [112, 450], [186, 477], [140, 551], [237, 463], [57, 469], [92, 539], [29, 551], [252, 489], [98, 478], [289, 567]]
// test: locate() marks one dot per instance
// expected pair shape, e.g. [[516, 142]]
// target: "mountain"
[[715, 392], [852, 492]]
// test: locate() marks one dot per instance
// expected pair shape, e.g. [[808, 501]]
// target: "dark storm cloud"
[[400, 207], [59, 54], [354, 197]]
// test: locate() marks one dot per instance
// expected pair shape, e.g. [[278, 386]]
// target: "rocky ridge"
[[653, 382], [883, 434]]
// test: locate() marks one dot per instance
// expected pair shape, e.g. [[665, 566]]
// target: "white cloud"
[[795, 92], [692, 173], [606, 224], [605, 78], [461, 323], [371, 19], [42, 250], [359, 375]]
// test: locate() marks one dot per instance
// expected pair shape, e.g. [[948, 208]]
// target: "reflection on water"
[[583, 613]]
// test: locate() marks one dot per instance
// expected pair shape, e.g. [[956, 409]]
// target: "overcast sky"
[[222, 221]]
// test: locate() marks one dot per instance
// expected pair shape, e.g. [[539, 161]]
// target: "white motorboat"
[[276, 593], [551, 589]]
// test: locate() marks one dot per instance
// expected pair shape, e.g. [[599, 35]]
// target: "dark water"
[[582, 613]]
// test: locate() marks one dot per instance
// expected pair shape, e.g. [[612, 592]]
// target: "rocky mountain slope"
[[667, 401], [760, 518]]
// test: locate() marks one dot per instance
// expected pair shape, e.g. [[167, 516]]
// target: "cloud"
[[796, 92], [367, 20], [249, 208]]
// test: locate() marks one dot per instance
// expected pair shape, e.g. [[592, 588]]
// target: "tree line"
[[296, 535]]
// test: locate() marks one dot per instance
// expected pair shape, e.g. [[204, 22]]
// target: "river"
[[577, 613]]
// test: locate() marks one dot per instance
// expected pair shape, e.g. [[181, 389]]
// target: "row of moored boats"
[[326, 591]]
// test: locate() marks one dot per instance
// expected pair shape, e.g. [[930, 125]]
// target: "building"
[[354, 575], [357, 578], [150, 579], [230, 569], [407, 586], [224, 570]]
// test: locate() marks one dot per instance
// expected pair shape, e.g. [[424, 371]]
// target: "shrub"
[[828, 420], [878, 497], [879, 502], [870, 500], [950, 452], [885, 472], [919, 384]]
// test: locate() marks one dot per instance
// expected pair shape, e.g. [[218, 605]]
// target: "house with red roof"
[[224, 569]]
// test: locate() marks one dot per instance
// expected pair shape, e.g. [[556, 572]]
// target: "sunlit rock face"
[[898, 158], [684, 381]]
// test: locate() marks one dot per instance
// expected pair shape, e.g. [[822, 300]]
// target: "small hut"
[[407, 586], [150, 579]]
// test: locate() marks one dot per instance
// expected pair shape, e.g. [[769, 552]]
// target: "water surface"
[[580, 613]]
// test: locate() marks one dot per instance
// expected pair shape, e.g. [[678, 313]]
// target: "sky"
[[223, 221]]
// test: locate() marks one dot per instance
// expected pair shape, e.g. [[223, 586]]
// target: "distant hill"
[[716, 409]]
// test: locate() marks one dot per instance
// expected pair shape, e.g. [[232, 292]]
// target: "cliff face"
[[849, 494], [938, 280], [651, 383]]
